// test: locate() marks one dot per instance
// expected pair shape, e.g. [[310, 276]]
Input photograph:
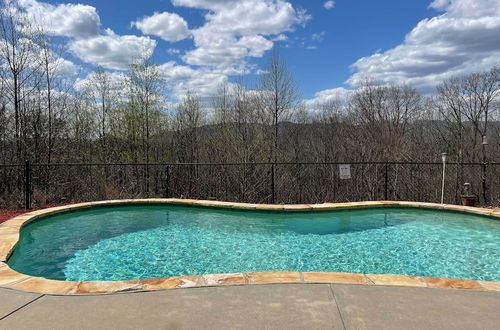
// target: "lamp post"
[[484, 144], [443, 157]]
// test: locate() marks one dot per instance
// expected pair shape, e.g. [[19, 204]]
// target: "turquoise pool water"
[[132, 242]]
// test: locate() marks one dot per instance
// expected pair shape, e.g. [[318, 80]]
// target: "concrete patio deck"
[[272, 306]]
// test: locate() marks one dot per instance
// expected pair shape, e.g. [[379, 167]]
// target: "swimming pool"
[[147, 241]]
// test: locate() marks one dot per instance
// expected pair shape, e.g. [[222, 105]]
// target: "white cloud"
[[255, 17], [226, 50], [68, 20], [36, 57], [205, 4], [170, 71], [117, 81], [329, 5], [340, 95], [204, 83], [467, 8], [465, 39], [232, 33], [181, 79], [280, 37], [113, 51], [228, 37], [256, 45], [168, 26], [64, 67]]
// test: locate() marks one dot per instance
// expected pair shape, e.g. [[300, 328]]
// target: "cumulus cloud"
[[81, 23], [171, 71], [181, 79], [329, 5], [57, 65], [168, 26], [116, 81], [229, 36], [464, 39], [467, 8], [64, 67], [68, 20], [226, 50], [204, 4], [255, 17], [280, 37], [233, 33], [113, 51], [339, 95]]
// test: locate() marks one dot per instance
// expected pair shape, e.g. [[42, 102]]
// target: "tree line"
[[47, 116]]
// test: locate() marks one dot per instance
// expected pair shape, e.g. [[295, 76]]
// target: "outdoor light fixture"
[[443, 157]]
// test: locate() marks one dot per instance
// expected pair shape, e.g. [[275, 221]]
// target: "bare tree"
[[467, 104], [187, 120], [279, 95], [383, 114], [145, 87], [99, 89], [50, 63], [18, 45]]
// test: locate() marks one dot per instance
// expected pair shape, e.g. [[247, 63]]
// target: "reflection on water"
[[340, 224]]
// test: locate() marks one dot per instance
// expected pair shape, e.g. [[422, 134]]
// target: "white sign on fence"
[[345, 172]]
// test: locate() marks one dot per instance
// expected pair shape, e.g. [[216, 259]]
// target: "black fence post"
[[27, 185], [167, 190], [484, 184], [386, 183], [273, 194]]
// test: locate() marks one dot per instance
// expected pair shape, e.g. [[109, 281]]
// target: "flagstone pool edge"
[[10, 231]]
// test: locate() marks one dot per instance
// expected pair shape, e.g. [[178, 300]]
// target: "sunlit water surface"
[[132, 242]]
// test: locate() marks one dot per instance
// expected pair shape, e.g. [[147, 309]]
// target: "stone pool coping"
[[10, 231]]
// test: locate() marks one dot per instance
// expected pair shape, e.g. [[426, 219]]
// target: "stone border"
[[10, 231]]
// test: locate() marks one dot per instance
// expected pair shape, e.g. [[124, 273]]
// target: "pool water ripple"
[[134, 242]]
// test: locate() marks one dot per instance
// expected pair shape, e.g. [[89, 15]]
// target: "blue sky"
[[352, 29], [330, 49]]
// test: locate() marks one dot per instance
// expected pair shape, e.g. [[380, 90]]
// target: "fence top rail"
[[243, 164]]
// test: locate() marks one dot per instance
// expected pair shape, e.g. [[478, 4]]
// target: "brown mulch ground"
[[8, 214]]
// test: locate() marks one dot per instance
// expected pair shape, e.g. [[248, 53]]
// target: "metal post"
[[273, 196], [483, 184], [386, 187], [444, 176], [27, 185], [167, 189], [483, 174]]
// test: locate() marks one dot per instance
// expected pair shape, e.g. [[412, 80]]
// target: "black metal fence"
[[36, 185]]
